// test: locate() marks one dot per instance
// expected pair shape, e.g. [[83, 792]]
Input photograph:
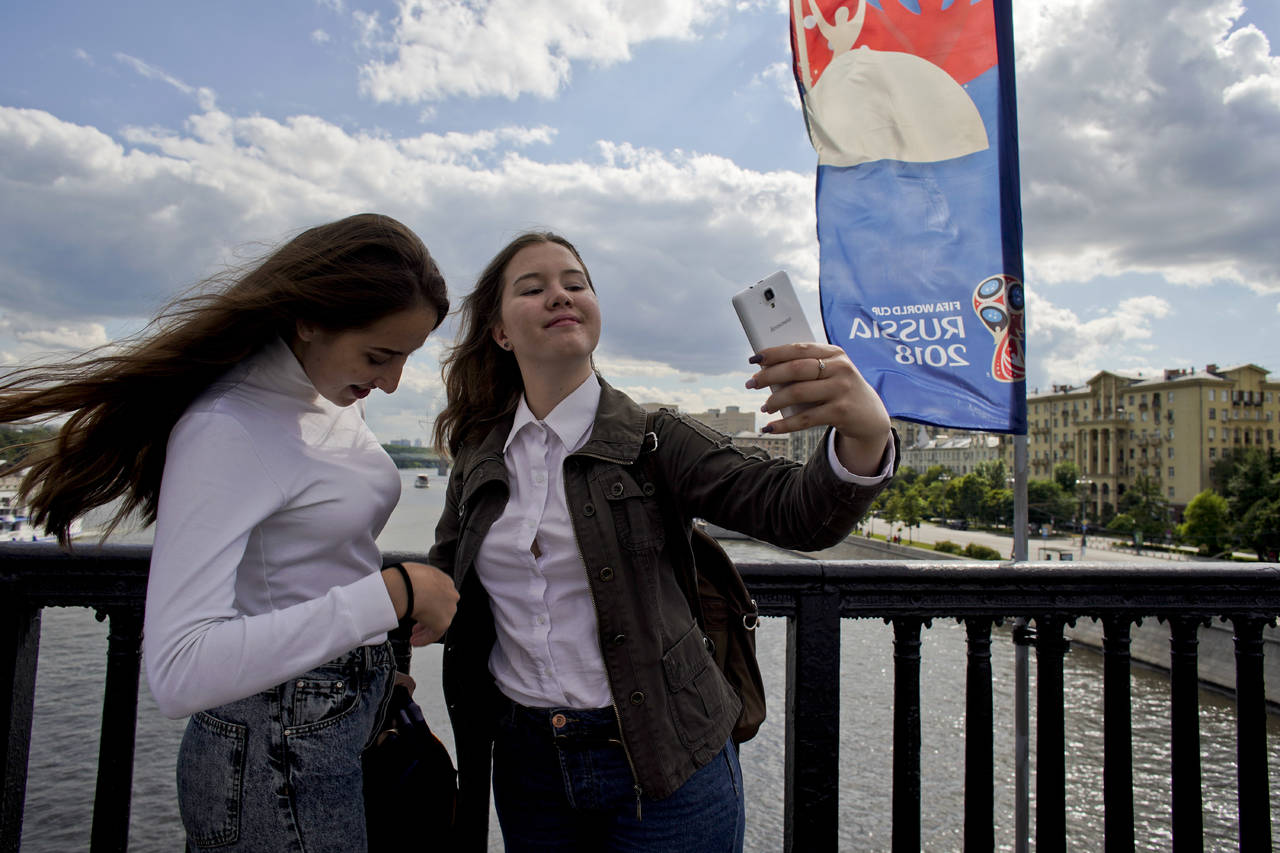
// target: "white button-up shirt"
[[548, 652]]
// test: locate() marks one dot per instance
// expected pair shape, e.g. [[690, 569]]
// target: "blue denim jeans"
[[562, 782], [280, 770]]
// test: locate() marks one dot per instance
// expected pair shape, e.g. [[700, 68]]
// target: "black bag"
[[726, 613], [410, 784]]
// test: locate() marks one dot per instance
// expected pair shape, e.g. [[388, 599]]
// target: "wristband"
[[408, 587]]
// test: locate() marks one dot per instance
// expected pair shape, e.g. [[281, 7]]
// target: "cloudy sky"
[[144, 144]]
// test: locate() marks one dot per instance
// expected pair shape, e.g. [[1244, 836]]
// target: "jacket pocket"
[[698, 691], [210, 780], [637, 518]]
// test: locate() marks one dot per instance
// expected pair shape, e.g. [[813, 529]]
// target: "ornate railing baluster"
[[111, 802], [979, 724], [813, 723], [1051, 774], [906, 735], [1117, 736], [20, 629], [1251, 735], [1184, 689]]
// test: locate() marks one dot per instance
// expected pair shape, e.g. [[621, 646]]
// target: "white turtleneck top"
[[264, 564]]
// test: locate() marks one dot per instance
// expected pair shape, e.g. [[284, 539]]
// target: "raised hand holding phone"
[[771, 315], [812, 383]]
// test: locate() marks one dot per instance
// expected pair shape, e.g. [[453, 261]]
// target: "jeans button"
[[558, 721]]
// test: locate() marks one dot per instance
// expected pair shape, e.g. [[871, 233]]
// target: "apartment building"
[[959, 452], [1171, 427]]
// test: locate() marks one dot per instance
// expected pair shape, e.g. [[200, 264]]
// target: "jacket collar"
[[618, 435], [619, 428]]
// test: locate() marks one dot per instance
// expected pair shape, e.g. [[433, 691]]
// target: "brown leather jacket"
[[674, 707]]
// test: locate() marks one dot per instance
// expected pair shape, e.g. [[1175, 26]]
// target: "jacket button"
[[619, 639], [637, 698], [588, 510], [616, 490], [606, 574], [648, 490]]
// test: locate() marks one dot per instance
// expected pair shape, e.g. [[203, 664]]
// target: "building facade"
[[959, 453], [731, 421], [1171, 428]]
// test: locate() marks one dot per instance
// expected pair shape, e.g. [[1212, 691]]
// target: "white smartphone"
[[771, 315]]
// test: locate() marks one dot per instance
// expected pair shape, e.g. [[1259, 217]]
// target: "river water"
[[72, 668]]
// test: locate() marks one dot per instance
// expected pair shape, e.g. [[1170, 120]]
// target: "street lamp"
[[1082, 486]]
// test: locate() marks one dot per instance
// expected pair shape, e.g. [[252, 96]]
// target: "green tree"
[[1260, 527], [935, 496], [1207, 521], [17, 442], [1048, 503], [1065, 475], [997, 506], [994, 475], [1123, 524], [911, 507], [964, 497], [1146, 506]]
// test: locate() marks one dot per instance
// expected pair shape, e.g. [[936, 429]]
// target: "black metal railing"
[[814, 596]]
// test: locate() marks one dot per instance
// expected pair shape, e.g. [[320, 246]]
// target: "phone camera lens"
[[768, 294]]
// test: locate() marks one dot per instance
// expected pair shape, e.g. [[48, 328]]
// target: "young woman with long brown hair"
[[231, 422], [574, 668]]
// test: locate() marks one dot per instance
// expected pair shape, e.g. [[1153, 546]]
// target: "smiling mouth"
[[564, 321], [359, 392]]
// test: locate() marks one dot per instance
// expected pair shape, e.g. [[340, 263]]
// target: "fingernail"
[[765, 408], [755, 359], [766, 428], [751, 383]]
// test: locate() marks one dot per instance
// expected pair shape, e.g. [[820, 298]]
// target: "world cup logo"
[[999, 303]]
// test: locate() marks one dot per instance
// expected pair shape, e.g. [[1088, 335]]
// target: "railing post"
[[813, 724], [20, 624], [1051, 774], [112, 799], [1251, 736], [1117, 738], [906, 735], [1023, 637], [1184, 686], [979, 748]]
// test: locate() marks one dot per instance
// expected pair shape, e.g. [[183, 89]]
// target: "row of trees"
[[1242, 509], [983, 496]]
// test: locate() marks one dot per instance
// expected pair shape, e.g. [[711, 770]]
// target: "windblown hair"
[[124, 398], [482, 380]]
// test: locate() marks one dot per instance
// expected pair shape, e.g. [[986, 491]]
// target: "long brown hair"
[[123, 399], [482, 380]]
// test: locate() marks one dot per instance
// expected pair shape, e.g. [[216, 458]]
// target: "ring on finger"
[[822, 365]]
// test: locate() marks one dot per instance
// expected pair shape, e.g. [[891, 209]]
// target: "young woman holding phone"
[[574, 667]]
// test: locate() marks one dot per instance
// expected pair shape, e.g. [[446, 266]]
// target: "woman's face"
[[346, 365], [549, 312]]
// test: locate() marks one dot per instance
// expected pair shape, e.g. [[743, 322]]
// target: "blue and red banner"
[[910, 106]]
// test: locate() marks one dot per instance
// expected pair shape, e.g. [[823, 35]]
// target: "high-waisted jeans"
[[280, 770], [562, 783]]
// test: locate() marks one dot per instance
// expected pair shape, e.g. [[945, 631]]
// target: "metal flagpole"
[[1021, 639]]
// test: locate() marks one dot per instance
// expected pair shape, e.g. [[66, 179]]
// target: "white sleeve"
[[886, 466], [200, 650]]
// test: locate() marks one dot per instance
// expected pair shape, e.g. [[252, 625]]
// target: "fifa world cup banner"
[[910, 107]]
